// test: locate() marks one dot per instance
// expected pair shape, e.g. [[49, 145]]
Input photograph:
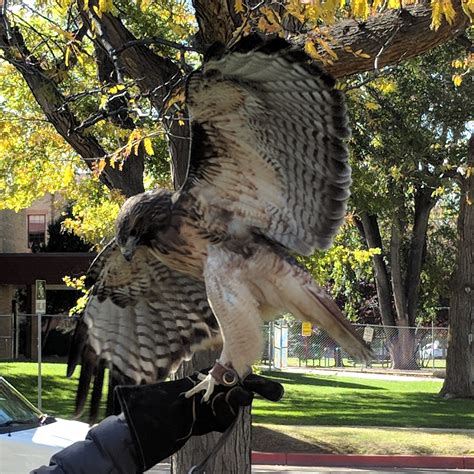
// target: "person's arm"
[[157, 420], [108, 447]]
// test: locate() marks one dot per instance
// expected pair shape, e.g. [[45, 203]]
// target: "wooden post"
[[235, 456]]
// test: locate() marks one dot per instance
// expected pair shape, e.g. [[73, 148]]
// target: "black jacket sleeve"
[[157, 420], [108, 448]]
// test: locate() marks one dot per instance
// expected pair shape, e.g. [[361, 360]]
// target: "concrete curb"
[[355, 460]]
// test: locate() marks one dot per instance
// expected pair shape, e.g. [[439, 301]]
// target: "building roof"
[[25, 268]]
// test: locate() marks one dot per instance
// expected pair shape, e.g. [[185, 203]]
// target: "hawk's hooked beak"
[[129, 249]]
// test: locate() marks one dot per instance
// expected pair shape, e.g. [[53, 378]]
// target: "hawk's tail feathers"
[[309, 302]]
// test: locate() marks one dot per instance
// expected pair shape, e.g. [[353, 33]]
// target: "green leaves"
[[347, 266], [409, 128]]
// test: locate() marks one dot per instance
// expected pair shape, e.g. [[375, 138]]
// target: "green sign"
[[40, 306]]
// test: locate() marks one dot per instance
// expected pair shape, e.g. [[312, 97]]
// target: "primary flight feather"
[[268, 177]]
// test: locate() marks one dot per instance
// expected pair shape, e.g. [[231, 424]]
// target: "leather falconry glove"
[[161, 419]]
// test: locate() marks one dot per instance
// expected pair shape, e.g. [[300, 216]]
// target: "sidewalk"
[[268, 469], [405, 375]]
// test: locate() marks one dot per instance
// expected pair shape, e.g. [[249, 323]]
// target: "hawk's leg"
[[206, 385], [218, 375], [238, 314]]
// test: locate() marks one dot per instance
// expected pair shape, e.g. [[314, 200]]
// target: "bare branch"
[[155, 40]]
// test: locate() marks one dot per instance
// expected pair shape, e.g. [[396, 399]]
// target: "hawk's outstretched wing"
[[142, 317], [268, 150]]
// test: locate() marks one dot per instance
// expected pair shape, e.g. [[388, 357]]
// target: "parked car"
[[28, 437], [436, 350]]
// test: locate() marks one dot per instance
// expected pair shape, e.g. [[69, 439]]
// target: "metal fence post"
[[270, 345], [16, 330], [40, 344], [432, 344]]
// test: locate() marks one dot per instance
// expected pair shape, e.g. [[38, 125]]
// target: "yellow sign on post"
[[306, 329]]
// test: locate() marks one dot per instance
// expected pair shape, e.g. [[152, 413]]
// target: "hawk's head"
[[140, 219]]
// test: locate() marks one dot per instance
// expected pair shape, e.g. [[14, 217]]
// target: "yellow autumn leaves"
[[137, 138], [463, 68], [25, 174], [318, 12]]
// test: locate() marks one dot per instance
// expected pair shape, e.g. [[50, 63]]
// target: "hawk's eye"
[[133, 232]]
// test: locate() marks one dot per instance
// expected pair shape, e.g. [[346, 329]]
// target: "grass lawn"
[[360, 440], [58, 391], [309, 399], [317, 414], [330, 414], [341, 401]]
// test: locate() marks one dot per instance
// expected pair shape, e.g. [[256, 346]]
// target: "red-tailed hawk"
[[268, 176]]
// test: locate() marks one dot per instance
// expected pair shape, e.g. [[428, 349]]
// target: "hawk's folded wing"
[[142, 317], [268, 132]]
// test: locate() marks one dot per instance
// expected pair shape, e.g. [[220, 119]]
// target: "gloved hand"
[[161, 419]]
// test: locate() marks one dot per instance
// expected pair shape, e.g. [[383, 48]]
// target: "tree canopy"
[[91, 91], [409, 141], [91, 94]]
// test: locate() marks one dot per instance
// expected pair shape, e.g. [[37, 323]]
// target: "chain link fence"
[[296, 344], [19, 335], [288, 343]]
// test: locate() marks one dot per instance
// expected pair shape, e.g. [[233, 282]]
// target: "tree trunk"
[[403, 347], [398, 287], [406, 286], [233, 458], [424, 203], [396, 267], [459, 380], [382, 280]]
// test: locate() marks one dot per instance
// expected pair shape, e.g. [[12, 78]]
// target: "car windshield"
[[15, 408]]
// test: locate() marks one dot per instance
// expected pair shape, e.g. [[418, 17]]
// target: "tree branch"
[[155, 40], [423, 205], [389, 37], [154, 75], [129, 180], [117, 106], [413, 38]]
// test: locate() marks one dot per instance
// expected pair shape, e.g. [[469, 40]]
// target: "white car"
[[28, 438], [436, 350]]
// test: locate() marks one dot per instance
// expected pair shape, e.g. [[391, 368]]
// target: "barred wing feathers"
[[268, 131], [144, 318]]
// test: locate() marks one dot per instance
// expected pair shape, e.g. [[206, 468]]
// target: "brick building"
[[20, 267], [20, 230]]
